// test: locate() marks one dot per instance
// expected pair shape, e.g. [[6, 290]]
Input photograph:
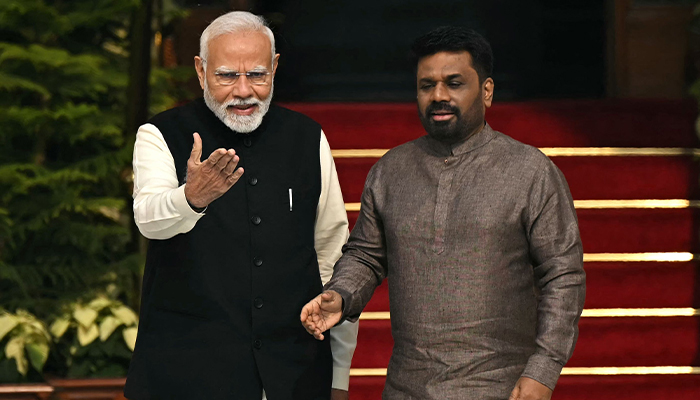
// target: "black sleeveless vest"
[[221, 303]]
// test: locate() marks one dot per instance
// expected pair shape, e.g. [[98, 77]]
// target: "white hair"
[[235, 21]]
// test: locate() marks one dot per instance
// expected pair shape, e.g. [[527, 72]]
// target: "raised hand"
[[530, 389], [210, 179], [322, 313]]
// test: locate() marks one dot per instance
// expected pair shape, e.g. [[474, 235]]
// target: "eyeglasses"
[[229, 78]]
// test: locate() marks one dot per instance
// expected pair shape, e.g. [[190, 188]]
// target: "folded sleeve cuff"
[[341, 378], [543, 369], [180, 203]]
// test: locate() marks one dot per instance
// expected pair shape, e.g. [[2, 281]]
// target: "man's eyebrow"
[[259, 68], [453, 76], [224, 70], [425, 80]]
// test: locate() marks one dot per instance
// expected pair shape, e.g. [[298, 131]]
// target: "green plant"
[[94, 339], [66, 230], [25, 342], [64, 215], [66, 227]]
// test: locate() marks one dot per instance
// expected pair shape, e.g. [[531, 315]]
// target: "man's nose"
[[242, 87], [440, 93]]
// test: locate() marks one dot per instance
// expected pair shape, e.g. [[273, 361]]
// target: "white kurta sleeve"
[[160, 207], [330, 235]]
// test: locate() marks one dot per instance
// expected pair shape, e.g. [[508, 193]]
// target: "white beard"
[[239, 123]]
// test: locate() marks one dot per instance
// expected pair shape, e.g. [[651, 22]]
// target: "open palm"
[[322, 313]]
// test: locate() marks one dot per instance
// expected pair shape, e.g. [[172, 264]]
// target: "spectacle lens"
[[254, 77]]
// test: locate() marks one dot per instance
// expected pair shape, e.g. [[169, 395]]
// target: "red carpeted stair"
[[614, 287]]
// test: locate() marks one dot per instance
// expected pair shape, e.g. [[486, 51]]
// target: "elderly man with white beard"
[[239, 241]]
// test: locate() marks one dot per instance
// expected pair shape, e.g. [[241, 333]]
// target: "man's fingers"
[[196, 154], [231, 165], [234, 177], [216, 156], [224, 159], [213, 159]]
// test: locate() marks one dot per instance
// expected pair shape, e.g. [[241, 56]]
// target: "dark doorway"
[[359, 50]]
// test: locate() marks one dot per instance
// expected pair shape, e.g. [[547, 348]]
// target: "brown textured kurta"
[[481, 248]]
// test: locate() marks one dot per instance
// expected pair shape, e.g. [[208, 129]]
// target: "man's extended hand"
[[337, 394], [209, 180], [530, 389], [322, 313]]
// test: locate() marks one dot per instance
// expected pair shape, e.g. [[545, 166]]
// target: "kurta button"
[[253, 181], [257, 343], [257, 261], [247, 142], [256, 220], [258, 303]]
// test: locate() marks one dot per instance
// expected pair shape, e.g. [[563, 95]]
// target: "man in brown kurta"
[[478, 236]]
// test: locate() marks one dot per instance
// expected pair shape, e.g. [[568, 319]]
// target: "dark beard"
[[456, 130]]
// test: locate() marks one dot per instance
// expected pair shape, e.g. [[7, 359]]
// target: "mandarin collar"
[[465, 146]]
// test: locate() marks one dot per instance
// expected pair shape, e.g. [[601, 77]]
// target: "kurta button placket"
[[442, 206], [256, 220], [253, 181], [247, 142], [257, 261], [257, 343]]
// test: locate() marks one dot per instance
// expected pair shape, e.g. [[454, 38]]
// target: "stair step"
[[638, 230], [605, 177], [610, 342], [640, 284], [642, 387], [617, 285], [637, 387], [572, 123]]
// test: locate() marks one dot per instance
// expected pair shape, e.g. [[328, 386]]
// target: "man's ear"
[[487, 90], [274, 64], [199, 67]]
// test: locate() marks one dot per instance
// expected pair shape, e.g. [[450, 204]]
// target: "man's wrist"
[[198, 210]]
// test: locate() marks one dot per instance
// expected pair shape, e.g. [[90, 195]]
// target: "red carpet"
[[622, 341]]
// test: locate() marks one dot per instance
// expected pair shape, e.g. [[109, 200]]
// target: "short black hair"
[[455, 39]]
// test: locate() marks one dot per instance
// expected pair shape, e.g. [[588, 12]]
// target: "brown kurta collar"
[[473, 142]]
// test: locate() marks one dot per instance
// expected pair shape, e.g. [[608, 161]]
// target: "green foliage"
[[94, 339], [64, 218], [24, 345], [65, 169]]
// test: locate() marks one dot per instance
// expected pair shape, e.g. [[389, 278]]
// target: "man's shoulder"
[[286, 114], [396, 156], [505, 145], [176, 113], [403, 150]]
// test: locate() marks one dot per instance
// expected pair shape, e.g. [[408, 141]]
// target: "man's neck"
[[457, 141]]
